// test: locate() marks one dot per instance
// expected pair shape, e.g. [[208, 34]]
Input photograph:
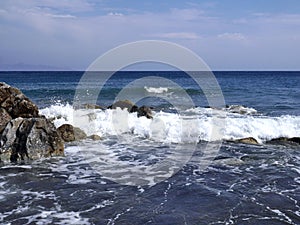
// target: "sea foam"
[[194, 125]]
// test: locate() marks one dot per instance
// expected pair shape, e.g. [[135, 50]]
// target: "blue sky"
[[227, 34]]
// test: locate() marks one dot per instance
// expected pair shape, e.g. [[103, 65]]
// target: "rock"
[[31, 138], [91, 106], [4, 119], [124, 104], [248, 140], [69, 133], [295, 140], [144, 111], [95, 137], [284, 141], [16, 103]]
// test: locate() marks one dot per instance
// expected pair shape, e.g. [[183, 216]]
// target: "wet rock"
[[284, 141], [15, 103], [248, 140], [95, 137], [30, 138], [144, 111], [124, 104], [4, 119], [69, 133], [92, 106]]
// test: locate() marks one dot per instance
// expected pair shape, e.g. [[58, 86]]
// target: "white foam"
[[156, 90], [196, 124]]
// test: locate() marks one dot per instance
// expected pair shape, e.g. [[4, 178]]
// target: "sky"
[[226, 34]]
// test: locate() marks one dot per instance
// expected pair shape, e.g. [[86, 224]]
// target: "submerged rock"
[[15, 103], [284, 141], [30, 138], [69, 133]]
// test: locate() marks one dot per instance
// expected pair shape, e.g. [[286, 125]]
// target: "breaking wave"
[[195, 125]]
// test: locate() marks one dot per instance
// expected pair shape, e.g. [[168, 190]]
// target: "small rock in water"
[[69, 133], [248, 140], [95, 137]]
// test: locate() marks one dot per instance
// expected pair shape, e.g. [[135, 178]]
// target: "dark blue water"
[[244, 184], [271, 93]]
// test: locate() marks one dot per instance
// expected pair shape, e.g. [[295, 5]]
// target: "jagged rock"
[[248, 140], [16, 103], [69, 133], [4, 119], [125, 104], [144, 111], [30, 138], [284, 141], [95, 137]]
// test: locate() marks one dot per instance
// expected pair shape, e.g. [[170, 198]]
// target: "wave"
[[156, 90], [195, 125], [240, 109]]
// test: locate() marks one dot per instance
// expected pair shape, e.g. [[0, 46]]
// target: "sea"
[[184, 166]]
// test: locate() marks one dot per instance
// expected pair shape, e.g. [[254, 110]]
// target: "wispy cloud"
[[73, 33], [177, 35], [232, 36]]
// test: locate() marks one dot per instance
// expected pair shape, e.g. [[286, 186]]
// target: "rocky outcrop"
[[30, 138], [15, 103], [284, 141], [23, 133], [126, 104], [69, 133]]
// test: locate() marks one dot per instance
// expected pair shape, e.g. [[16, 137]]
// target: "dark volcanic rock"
[[284, 141], [125, 104], [69, 133], [30, 138], [15, 103], [144, 111]]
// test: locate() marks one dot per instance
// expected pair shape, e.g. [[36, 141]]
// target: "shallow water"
[[243, 185]]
